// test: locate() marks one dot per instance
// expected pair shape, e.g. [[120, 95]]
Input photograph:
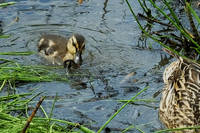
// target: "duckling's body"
[[53, 48], [59, 50], [180, 103]]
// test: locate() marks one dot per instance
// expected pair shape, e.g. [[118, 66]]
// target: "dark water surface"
[[112, 52]]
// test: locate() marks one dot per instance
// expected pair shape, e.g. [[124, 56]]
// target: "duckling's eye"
[[74, 45]]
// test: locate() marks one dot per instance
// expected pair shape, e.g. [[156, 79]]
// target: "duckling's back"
[[53, 48]]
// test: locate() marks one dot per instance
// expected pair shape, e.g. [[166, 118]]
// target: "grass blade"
[[7, 4], [113, 116], [4, 36], [17, 53], [180, 28], [177, 129], [193, 12]]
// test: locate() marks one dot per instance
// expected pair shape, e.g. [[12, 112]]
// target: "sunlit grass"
[[29, 73], [4, 36], [17, 102], [7, 4], [119, 110], [15, 124], [18, 53], [140, 100], [178, 129], [13, 102], [191, 39], [13, 72]]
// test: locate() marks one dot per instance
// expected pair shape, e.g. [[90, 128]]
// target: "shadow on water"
[[111, 54]]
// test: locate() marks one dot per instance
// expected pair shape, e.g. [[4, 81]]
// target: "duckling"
[[59, 50], [180, 102]]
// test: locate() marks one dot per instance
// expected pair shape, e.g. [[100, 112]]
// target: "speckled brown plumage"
[[180, 102]]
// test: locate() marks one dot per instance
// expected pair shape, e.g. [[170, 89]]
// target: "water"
[[113, 51]]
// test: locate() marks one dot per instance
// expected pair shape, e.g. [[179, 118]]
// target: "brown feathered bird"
[[180, 102]]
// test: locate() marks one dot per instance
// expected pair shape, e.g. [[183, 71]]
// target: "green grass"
[[119, 110], [13, 102], [4, 36], [183, 35], [7, 4], [20, 102], [18, 53], [178, 129], [13, 73], [14, 124], [16, 72], [140, 100]]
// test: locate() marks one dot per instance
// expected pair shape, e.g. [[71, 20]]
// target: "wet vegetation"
[[15, 108], [13, 72], [174, 35], [18, 104]]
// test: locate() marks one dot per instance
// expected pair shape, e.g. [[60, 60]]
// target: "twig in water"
[[32, 115]]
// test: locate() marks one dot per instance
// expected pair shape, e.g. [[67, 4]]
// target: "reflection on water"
[[111, 54]]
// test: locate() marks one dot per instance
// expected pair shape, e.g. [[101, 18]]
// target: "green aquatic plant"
[[18, 53], [14, 73], [4, 36], [13, 102], [22, 73], [174, 36], [140, 100], [7, 4], [15, 124], [178, 129], [114, 115]]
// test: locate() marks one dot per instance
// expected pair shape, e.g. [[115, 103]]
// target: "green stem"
[[120, 110]]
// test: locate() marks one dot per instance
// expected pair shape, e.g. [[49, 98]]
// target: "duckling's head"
[[75, 46]]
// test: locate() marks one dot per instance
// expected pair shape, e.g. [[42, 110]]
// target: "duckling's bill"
[[78, 58]]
